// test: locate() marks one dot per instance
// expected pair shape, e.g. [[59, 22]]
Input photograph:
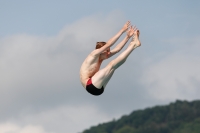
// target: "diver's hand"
[[126, 26]]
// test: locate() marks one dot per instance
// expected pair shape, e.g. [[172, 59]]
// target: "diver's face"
[[107, 51], [105, 54]]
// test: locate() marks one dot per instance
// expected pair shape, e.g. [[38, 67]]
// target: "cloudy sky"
[[44, 42]]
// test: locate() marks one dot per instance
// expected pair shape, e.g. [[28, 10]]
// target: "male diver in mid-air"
[[95, 80]]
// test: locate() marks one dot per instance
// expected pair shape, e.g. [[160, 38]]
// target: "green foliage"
[[191, 127], [178, 117], [125, 129]]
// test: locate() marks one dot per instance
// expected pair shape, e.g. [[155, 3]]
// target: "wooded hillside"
[[178, 117]]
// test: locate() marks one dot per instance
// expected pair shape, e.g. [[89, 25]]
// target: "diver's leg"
[[123, 56], [102, 77]]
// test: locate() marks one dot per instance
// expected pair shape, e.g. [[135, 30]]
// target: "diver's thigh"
[[102, 77]]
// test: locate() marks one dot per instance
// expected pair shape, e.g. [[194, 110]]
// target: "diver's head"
[[105, 54]]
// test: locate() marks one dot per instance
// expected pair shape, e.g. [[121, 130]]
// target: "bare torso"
[[89, 67]]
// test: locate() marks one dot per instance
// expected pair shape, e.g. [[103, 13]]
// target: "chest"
[[91, 65]]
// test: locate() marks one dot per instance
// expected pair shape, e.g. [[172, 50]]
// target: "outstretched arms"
[[129, 34], [111, 41]]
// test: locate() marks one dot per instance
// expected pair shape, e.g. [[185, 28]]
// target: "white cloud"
[[176, 76], [70, 119], [14, 128]]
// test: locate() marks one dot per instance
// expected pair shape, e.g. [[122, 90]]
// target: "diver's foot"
[[135, 41]]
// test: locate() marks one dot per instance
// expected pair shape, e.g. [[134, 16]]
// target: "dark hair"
[[100, 44]]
